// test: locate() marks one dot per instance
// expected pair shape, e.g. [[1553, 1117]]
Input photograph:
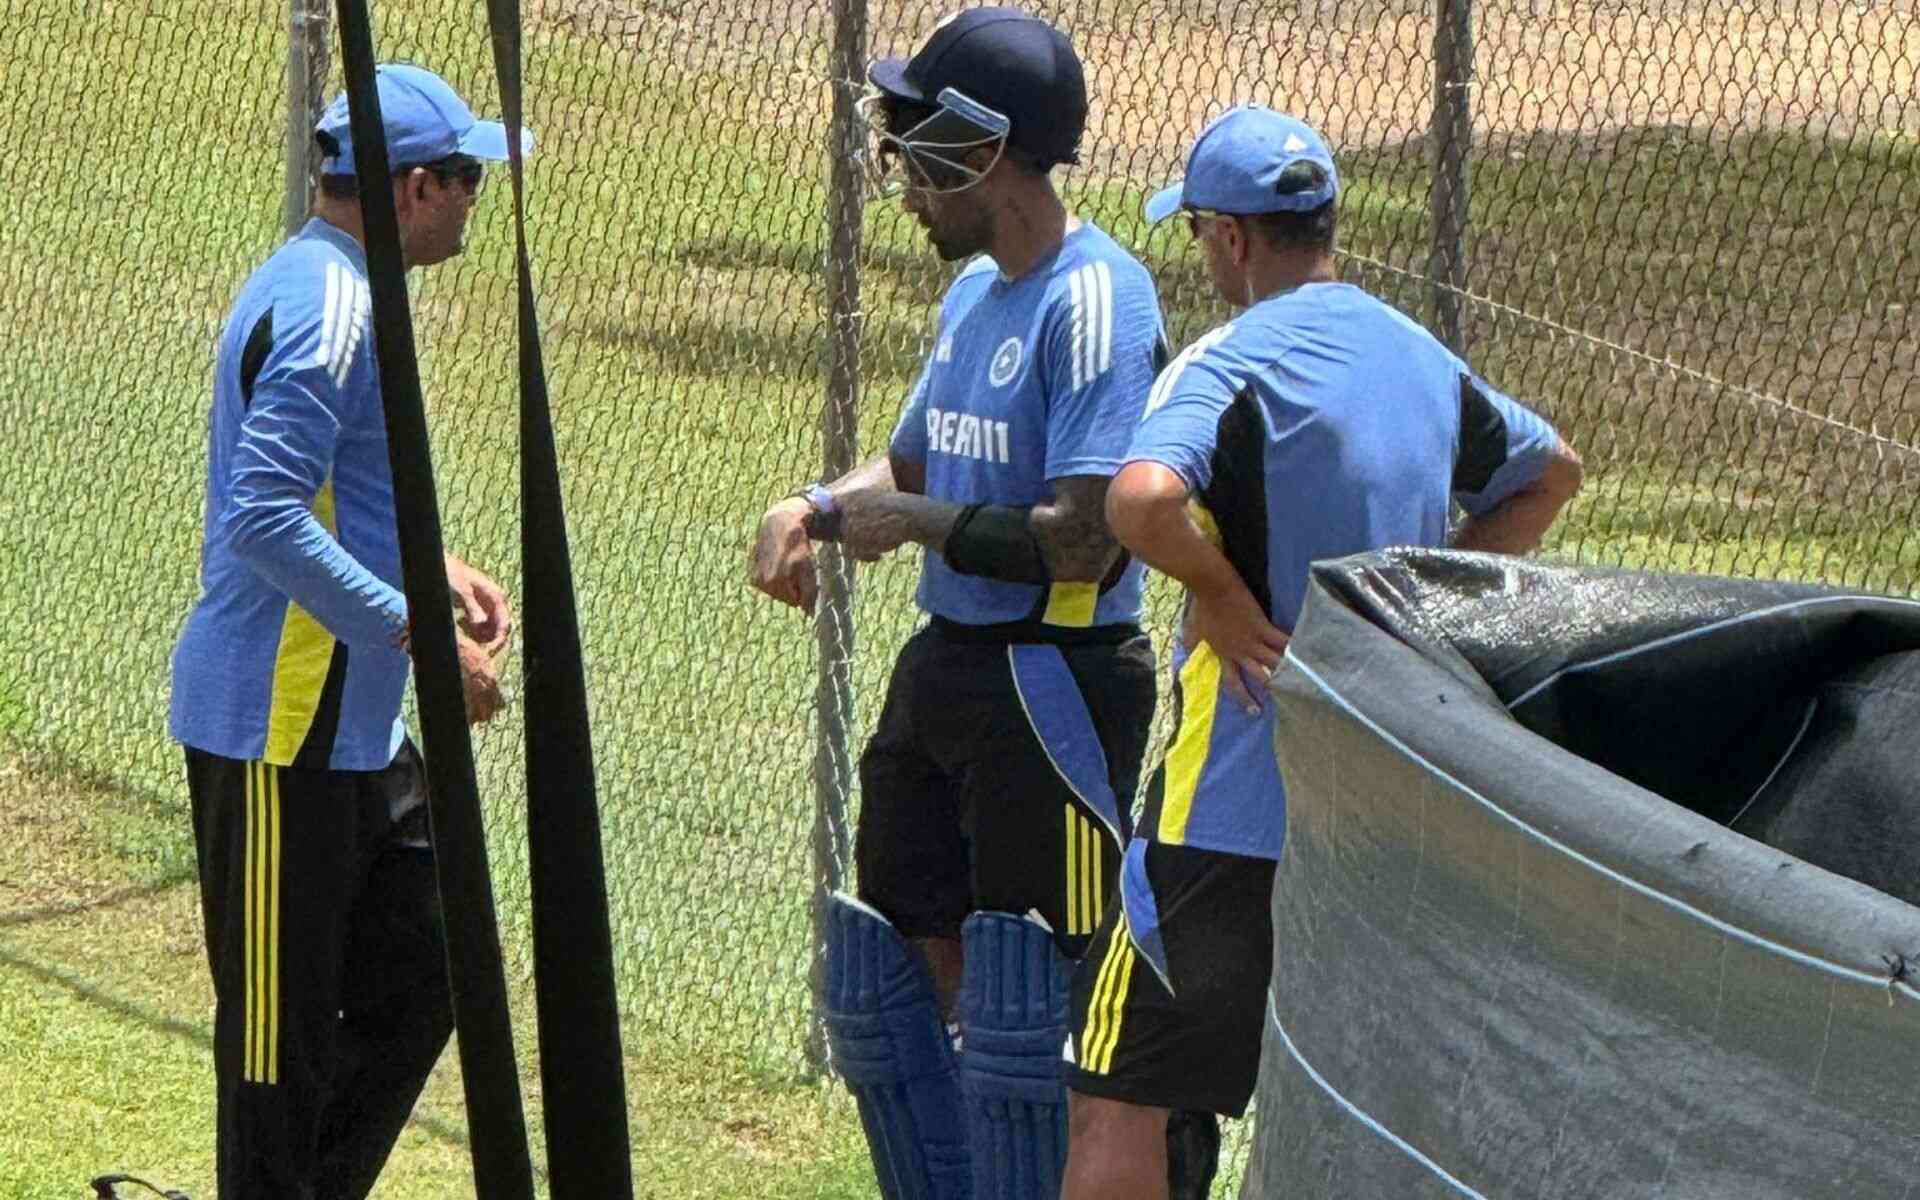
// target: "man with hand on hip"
[[1317, 423]]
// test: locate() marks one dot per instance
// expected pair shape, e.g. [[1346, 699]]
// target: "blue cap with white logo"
[[425, 121], [1252, 160]]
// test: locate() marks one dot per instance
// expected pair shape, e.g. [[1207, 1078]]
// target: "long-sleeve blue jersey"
[[290, 654]]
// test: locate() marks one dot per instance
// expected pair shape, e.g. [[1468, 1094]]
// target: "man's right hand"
[[1248, 645], [782, 563], [479, 680]]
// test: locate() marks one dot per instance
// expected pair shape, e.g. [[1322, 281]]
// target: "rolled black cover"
[[1519, 952]]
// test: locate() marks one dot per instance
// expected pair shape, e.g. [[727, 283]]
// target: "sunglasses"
[[467, 171], [1198, 219]]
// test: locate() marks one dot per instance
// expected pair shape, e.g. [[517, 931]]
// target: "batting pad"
[[1013, 1007], [888, 1044]]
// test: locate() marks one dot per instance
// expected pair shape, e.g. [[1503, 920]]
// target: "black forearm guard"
[[995, 541]]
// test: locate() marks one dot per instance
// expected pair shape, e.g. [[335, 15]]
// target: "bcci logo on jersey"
[[1005, 364]]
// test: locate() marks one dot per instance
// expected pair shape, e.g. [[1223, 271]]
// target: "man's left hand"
[[486, 615]]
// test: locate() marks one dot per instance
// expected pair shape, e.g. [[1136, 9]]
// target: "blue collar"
[[339, 238]]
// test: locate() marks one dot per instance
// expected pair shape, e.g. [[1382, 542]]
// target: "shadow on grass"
[[108, 902], [50, 976], [81, 989]]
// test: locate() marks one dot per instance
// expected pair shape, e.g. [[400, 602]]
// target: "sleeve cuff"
[[1106, 467], [1513, 475], [1188, 473]]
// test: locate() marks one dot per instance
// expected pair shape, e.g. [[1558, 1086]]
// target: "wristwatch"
[[822, 521]]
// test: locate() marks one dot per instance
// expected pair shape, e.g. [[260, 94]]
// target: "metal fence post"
[[1453, 142], [307, 66], [833, 625]]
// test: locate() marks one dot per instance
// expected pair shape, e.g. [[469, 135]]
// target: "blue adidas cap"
[[425, 120], [1012, 62], [1243, 163]]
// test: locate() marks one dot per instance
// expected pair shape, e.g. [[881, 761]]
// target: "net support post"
[[1451, 192], [839, 430], [307, 65]]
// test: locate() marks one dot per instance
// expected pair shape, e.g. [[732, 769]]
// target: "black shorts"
[[1001, 778], [1197, 1047]]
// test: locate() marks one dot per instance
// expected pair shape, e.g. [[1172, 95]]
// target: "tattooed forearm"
[[1072, 529]]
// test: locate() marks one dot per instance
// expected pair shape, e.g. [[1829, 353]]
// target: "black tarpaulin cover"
[[1518, 950]]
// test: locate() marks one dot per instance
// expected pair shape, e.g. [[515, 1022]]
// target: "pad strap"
[[996, 541]]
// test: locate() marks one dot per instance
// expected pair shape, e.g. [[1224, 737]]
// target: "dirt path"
[[1363, 71]]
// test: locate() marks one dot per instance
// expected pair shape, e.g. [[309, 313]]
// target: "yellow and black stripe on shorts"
[[1085, 881], [1113, 967]]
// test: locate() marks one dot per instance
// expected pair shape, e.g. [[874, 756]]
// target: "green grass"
[[105, 1004], [14, 716], [678, 234]]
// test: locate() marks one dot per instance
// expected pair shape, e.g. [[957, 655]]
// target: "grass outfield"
[[106, 1011], [678, 245]]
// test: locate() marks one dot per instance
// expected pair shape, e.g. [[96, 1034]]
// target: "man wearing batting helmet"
[[1317, 423], [996, 789], [316, 879]]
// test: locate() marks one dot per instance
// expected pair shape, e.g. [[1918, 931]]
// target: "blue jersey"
[[290, 653], [1322, 422], [1031, 380]]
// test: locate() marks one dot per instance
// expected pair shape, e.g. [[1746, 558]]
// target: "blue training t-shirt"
[[1031, 380], [1321, 422], [290, 654]]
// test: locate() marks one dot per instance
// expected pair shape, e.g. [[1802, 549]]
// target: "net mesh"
[[1684, 230]]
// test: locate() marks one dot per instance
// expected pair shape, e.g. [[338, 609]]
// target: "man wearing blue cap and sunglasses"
[[316, 878], [1319, 422], [997, 787]]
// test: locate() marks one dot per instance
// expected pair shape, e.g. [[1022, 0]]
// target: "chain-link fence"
[[1683, 229]]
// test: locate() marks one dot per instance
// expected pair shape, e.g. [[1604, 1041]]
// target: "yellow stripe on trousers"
[[273, 926], [261, 1056], [252, 800], [1108, 1006]]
